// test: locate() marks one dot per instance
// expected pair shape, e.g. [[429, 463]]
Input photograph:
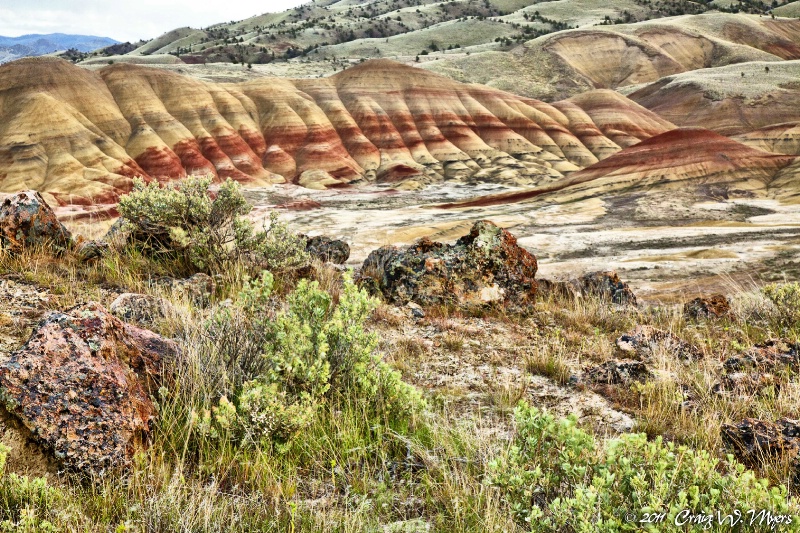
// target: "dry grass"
[[453, 342], [546, 363], [506, 393], [345, 475]]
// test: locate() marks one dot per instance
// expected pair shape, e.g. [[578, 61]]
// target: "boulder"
[[92, 250], [762, 367], [646, 341], [753, 441], [82, 385], [142, 309], [485, 266], [747, 383], [715, 306], [620, 372], [327, 250], [26, 220], [602, 284], [198, 288], [775, 354], [606, 284]]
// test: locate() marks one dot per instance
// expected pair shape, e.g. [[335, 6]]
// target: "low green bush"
[[557, 477], [180, 220], [314, 351], [26, 504], [786, 298]]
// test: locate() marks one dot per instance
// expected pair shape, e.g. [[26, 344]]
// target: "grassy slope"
[[335, 22], [789, 10], [344, 475]]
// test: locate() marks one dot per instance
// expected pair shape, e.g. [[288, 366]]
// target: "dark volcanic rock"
[[119, 232], [82, 385], [761, 367], [26, 220], [754, 440], [91, 250], [603, 284], [772, 355], [618, 372], [645, 341], [482, 267], [607, 284], [715, 306], [328, 250]]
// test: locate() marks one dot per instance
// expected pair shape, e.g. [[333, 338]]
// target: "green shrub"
[[25, 503], [313, 352], [786, 298], [550, 458], [555, 478], [181, 220]]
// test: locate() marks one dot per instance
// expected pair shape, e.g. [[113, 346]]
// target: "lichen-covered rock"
[[775, 354], [644, 342], [91, 250], [715, 306], [747, 383], [26, 220], [605, 285], [198, 289], [621, 372], [763, 367], [328, 250], [753, 441], [485, 266], [142, 309], [82, 385]]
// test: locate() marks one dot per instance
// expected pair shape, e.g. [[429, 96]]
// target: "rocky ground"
[[474, 326]]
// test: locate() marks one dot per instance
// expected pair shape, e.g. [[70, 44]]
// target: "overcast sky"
[[125, 20]]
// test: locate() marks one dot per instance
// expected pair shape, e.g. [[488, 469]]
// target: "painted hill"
[[684, 157], [81, 136], [777, 138], [688, 163], [12, 48]]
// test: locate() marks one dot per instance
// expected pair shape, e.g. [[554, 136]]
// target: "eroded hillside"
[[82, 136]]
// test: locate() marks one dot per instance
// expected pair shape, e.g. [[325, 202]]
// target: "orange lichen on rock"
[[82, 385]]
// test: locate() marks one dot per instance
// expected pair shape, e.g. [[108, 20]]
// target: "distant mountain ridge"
[[12, 48], [422, 31]]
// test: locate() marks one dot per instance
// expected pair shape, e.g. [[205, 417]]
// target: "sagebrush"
[[181, 220]]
